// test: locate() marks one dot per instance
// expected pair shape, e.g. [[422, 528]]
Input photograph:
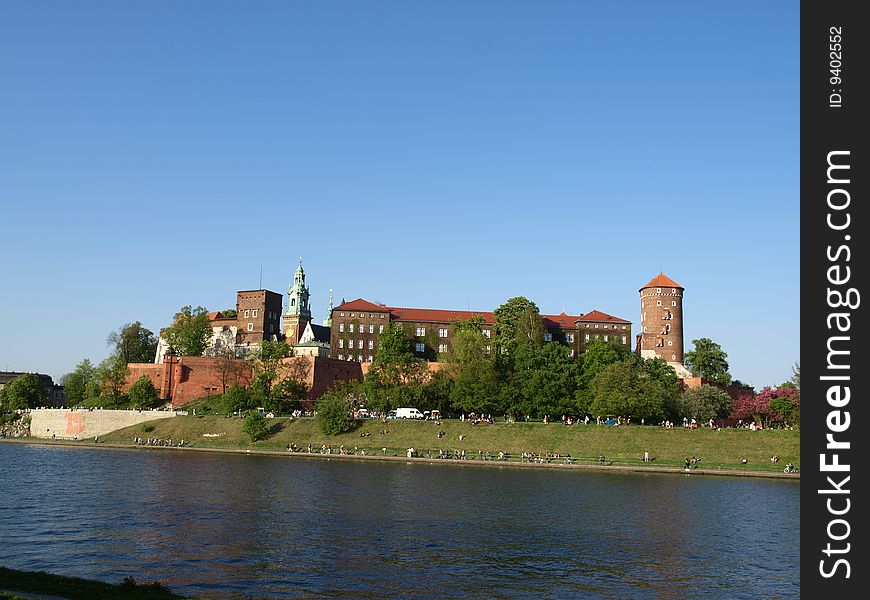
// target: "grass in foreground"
[[75, 588], [585, 443]]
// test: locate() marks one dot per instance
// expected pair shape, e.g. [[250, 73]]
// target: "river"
[[234, 526]]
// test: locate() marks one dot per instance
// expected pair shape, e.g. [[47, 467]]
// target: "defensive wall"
[[184, 379], [79, 424]]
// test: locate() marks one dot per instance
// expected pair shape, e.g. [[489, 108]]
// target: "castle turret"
[[327, 322], [297, 314], [661, 307]]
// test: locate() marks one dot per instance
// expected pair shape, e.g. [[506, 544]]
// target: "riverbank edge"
[[629, 469]]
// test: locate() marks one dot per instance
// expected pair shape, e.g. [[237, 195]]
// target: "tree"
[[230, 368], [548, 377], [515, 320], [334, 408], [236, 399], [266, 362], [255, 427], [112, 374], [396, 376], [189, 332], [75, 383], [478, 388], [709, 361], [25, 391], [143, 394], [627, 389], [704, 403], [597, 356], [133, 343]]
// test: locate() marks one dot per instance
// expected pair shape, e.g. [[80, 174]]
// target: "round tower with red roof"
[[661, 309]]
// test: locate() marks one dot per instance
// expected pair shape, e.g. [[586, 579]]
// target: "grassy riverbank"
[[15, 585], [722, 450]]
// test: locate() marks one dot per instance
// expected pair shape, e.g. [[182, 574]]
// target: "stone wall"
[[65, 424]]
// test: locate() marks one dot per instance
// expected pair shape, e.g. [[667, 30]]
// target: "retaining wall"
[[65, 424]]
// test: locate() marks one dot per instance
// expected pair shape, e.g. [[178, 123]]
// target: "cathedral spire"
[[327, 322]]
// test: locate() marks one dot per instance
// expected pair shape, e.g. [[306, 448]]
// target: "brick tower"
[[298, 311], [661, 307]]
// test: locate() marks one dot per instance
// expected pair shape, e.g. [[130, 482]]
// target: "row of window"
[[364, 315], [359, 344], [360, 329], [605, 326], [605, 338], [659, 303], [359, 357]]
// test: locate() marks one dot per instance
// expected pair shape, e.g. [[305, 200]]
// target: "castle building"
[[357, 324], [661, 309]]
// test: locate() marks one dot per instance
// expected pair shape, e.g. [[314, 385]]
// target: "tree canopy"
[[133, 343], [25, 391], [189, 332], [709, 361]]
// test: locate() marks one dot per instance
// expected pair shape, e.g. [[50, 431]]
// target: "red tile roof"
[[434, 315], [662, 280], [360, 304], [598, 316]]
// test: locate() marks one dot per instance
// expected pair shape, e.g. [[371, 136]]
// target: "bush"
[[143, 394], [334, 412], [255, 427]]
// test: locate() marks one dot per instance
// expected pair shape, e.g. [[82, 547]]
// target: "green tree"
[[515, 320], [626, 389], [597, 356], [255, 427], [704, 403], [548, 377], [143, 394], [25, 391], [396, 377], [709, 361], [133, 343], [75, 384], [237, 398], [478, 388], [335, 407], [112, 374], [189, 332], [288, 394]]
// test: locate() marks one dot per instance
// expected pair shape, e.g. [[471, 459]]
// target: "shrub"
[[255, 427], [334, 412]]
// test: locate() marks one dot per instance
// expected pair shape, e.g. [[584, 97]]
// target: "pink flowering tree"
[[777, 405]]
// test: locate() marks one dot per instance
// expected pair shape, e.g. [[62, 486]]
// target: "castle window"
[[660, 342], [341, 357], [250, 327], [487, 349], [254, 313], [596, 326], [487, 332], [673, 302], [359, 357], [350, 344], [371, 358], [380, 329], [371, 328], [341, 343], [548, 337], [340, 314], [442, 348], [623, 339], [658, 290], [668, 328], [569, 337], [420, 347], [605, 338], [670, 342], [371, 344], [341, 327], [247, 313], [587, 337], [442, 332], [359, 344], [271, 328], [350, 327], [658, 302], [673, 357], [382, 316], [352, 315], [421, 331], [292, 301], [572, 351]]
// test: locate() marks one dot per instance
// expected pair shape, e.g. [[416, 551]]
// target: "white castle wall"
[[65, 424]]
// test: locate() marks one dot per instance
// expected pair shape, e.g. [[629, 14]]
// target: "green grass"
[[74, 588], [623, 445]]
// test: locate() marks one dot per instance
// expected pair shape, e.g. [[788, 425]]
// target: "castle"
[[350, 332]]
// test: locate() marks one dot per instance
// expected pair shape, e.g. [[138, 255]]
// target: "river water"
[[236, 526]]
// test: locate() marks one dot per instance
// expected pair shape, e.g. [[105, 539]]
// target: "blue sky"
[[440, 155]]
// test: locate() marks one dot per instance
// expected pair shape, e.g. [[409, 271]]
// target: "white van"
[[409, 413]]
